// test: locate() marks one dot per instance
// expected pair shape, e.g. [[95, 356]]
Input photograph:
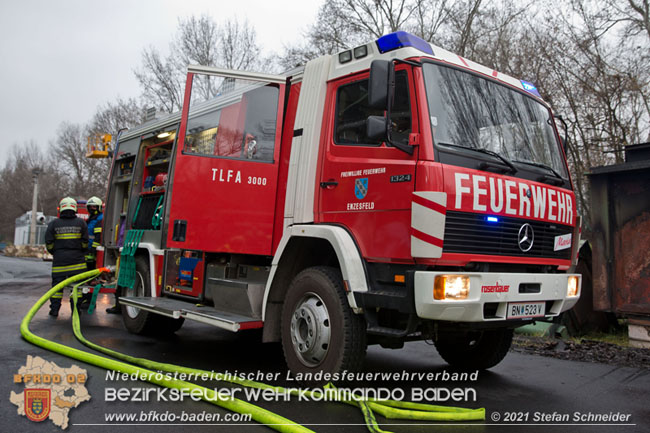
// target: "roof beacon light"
[[402, 39], [530, 88]]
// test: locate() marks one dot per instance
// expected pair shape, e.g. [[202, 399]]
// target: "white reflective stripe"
[[428, 214], [424, 249]]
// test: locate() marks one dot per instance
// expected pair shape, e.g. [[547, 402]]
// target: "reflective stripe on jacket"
[[66, 238], [95, 232]]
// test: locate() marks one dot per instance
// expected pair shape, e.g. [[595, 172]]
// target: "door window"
[[238, 121], [352, 110]]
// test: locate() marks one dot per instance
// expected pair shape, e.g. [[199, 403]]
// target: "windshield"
[[469, 111]]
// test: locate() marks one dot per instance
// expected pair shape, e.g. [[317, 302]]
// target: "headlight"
[[573, 288], [451, 287]]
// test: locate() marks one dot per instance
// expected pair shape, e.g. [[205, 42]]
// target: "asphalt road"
[[518, 394]]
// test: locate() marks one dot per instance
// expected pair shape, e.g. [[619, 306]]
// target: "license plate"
[[519, 310]]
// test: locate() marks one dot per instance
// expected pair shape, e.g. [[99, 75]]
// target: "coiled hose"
[[141, 367]]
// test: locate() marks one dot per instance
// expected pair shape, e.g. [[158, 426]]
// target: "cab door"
[[226, 167], [367, 186]]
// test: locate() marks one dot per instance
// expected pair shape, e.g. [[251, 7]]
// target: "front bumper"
[[490, 294]]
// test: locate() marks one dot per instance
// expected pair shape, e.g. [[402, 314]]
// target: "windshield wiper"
[[556, 178], [511, 168], [505, 160]]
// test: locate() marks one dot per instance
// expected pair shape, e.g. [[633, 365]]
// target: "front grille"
[[471, 234]]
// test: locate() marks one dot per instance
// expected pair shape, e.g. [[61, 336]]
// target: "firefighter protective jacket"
[[66, 238], [94, 232]]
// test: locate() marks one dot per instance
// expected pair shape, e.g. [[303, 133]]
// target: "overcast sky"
[[60, 59]]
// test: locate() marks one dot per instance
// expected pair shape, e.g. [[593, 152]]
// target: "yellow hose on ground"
[[388, 408], [259, 414]]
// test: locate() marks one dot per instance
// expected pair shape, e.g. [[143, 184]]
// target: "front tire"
[[475, 350], [138, 321], [319, 330]]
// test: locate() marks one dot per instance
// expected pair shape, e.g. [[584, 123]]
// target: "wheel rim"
[[138, 291], [310, 330]]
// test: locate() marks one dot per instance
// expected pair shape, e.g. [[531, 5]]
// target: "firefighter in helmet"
[[66, 238], [95, 218]]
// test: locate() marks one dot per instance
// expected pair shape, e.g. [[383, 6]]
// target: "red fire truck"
[[389, 193]]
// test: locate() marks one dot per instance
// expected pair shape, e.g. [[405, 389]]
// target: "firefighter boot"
[[55, 303], [115, 309], [84, 301]]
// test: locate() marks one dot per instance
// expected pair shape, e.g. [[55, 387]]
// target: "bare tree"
[[589, 59], [429, 18], [16, 185], [463, 16], [238, 47], [161, 84], [343, 24], [198, 41], [462, 26], [634, 13], [84, 176], [596, 74], [111, 117]]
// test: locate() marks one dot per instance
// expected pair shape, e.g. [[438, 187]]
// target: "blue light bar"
[[492, 219], [402, 39], [530, 88]]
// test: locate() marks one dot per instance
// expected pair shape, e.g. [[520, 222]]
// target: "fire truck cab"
[[389, 193]]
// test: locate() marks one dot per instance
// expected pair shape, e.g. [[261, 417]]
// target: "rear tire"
[[319, 330], [475, 350], [138, 321]]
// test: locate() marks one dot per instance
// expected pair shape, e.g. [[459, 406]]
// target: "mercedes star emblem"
[[526, 237]]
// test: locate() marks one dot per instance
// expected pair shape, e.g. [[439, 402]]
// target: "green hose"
[[390, 409]]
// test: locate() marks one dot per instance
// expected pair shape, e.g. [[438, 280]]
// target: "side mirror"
[[376, 128], [381, 87], [382, 73]]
